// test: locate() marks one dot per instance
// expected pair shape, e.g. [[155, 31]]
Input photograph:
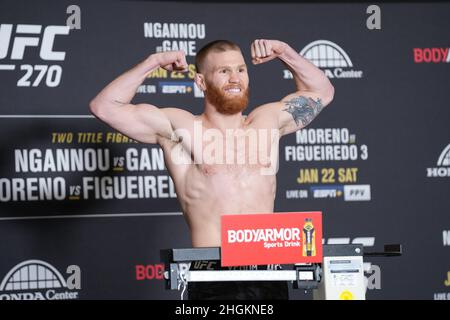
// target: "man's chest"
[[231, 149]]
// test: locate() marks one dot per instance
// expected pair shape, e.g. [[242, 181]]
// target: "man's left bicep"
[[299, 109]]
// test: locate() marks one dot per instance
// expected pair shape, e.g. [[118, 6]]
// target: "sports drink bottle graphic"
[[309, 239]]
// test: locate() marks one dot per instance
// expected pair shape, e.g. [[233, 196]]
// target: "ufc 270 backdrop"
[[84, 210]]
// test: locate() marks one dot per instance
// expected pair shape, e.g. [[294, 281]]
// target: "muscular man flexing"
[[211, 156]]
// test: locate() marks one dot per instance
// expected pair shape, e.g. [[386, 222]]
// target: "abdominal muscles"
[[211, 191]]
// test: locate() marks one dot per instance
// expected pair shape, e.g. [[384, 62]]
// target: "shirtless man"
[[207, 189]]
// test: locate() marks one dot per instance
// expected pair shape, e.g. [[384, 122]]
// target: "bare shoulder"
[[178, 113], [179, 118], [182, 123]]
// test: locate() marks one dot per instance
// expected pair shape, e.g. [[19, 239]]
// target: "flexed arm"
[[142, 122], [314, 90]]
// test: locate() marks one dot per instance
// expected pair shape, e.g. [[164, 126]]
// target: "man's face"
[[226, 80]]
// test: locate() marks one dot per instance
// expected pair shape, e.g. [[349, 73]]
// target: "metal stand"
[[340, 276]]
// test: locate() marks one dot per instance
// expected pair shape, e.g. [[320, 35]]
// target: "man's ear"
[[200, 81]]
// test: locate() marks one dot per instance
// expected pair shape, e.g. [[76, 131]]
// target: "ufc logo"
[[20, 43]]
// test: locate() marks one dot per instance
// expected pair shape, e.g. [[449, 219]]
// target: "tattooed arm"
[[313, 89], [298, 110], [314, 92]]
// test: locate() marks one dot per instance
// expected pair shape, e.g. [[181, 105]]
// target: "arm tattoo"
[[303, 109]]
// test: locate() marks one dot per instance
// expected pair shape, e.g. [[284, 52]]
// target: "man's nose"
[[234, 77]]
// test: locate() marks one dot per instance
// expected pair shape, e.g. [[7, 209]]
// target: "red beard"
[[224, 103]]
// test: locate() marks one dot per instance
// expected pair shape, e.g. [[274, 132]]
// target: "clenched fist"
[[265, 50], [172, 60]]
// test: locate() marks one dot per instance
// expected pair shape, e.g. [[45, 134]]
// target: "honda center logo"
[[329, 57], [39, 280]]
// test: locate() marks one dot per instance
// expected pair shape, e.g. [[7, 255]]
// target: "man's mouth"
[[233, 90]]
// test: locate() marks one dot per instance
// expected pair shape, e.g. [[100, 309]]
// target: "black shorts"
[[236, 290]]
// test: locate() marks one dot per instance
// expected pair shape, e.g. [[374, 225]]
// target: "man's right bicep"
[[141, 122]]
